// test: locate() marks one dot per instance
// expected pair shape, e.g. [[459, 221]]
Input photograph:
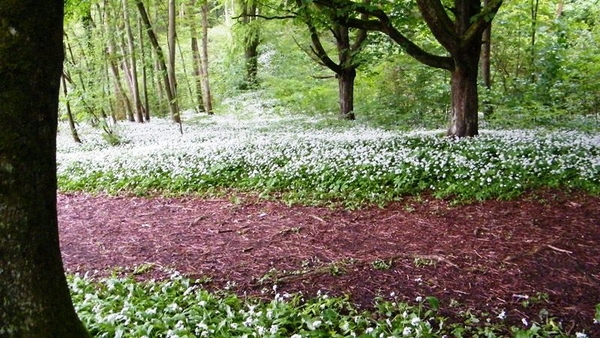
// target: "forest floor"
[[539, 252]]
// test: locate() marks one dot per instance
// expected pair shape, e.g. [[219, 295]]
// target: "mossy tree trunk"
[[34, 297]]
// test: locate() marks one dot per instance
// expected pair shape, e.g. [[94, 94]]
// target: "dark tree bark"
[[346, 72], [466, 55], [34, 297], [460, 34], [346, 93]]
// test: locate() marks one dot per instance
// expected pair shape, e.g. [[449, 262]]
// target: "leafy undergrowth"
[[303, 160], [180, 307], [308, 161]]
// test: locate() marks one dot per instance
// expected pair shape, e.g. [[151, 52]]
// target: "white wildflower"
[[502, 315]]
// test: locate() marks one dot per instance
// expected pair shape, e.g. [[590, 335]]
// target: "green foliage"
[[291, 159], [401, 94], [180, 307], [550, 82]]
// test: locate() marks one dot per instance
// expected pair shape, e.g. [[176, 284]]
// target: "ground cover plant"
[[310, 161], [302, 160], [180, 307]]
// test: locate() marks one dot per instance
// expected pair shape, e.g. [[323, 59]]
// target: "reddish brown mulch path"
[[484, 256]]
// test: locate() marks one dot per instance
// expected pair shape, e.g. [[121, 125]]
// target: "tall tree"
[[63, 81], [206, 94], [458, 29], [34, 296], [173, 107], [171, 41], [197, 64], [250, 40], [113, 62], [132, 77], [347, 50], [486, 55]]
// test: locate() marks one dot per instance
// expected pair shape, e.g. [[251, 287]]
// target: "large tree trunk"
[[463, 90], [465, 101], [346, 93], [34, 296]]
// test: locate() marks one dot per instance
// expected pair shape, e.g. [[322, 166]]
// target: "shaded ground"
[[486, 256]]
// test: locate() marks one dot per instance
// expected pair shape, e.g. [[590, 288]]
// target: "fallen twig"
[[558, 249]]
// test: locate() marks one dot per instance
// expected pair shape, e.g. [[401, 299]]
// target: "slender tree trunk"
[[197, 71], [146, 105], [133, 77], [197, 65], [174, 110], [121, 95], [171, 40], [126, 68], [486, 65], [69, 113], [34, 296], [534, 14], [70, 58], [207, 98]]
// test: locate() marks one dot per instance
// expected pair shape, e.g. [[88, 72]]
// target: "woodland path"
[[487, 256]]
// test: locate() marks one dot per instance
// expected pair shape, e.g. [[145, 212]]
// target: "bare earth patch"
[[485, 256]]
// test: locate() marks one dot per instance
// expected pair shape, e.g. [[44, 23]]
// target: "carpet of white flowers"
[[306, 159]]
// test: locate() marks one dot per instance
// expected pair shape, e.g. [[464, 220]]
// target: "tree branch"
[[317, 46], [267, 17], [383, 24], [482, 22], [439, 23]]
